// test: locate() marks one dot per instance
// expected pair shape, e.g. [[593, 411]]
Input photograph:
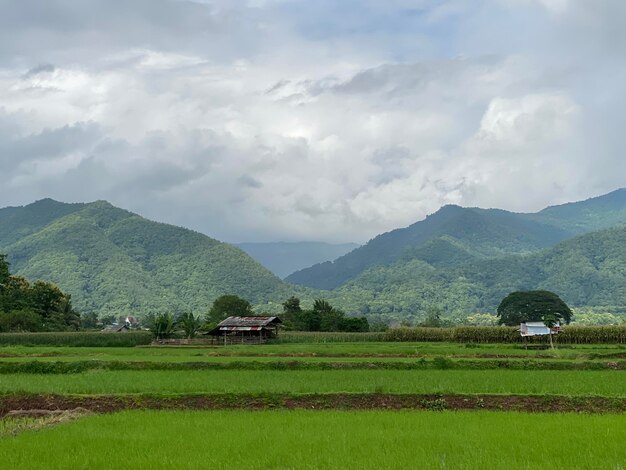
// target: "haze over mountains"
[[284, 258], [463, 260]]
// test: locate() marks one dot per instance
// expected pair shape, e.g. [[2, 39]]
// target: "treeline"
[[322, 317], [40, 306]]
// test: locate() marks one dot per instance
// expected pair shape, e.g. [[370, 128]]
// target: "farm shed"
[[537, 328], [115, 329], [254, 330]]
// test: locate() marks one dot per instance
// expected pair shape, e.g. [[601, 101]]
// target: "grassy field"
[[370, 350], [319, 440], [575, 383]]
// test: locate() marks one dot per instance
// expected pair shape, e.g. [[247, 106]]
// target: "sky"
[[326, 120]]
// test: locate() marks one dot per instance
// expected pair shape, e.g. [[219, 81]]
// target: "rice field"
[[323, 440], [348, 435], [523, 382]]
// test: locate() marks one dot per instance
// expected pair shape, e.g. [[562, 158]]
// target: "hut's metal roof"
[[248, 322]]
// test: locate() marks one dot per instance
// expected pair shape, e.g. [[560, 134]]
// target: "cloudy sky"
[[311, 120]]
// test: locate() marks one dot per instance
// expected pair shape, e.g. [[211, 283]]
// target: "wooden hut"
[[251, 330]]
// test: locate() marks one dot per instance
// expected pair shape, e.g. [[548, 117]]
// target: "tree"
[[518, 307], [292, 306], [161, 325], [4, 269], [189, 323], [20, 320], [433, 318], [550, 319], [89, 320], [227, 306]]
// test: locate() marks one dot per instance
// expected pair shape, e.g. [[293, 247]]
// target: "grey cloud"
[[39, 69]]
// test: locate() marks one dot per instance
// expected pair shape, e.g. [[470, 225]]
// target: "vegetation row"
[[438, 363]]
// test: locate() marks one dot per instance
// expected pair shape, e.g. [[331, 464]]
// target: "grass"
[[323, 440], [523, 382], [318, 349]]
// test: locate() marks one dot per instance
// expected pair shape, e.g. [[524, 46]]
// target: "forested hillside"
[[589, 270], [284, 258], [113, 261], [455, 233]]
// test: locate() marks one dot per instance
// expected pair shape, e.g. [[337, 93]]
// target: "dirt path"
[[111, 403]]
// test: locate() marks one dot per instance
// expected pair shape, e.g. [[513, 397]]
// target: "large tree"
[[40, 306], [229, 305], [536, 305]]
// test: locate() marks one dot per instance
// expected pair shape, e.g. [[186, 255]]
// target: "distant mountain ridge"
[[473, 233], [587, 270], [284, 258], [114, 261]]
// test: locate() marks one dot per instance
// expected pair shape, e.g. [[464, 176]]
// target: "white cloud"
[[255, 122]]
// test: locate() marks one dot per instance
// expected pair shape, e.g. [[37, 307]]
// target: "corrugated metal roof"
[[249, 322]]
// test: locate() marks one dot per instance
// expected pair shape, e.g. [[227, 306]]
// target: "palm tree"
[[189, 323]]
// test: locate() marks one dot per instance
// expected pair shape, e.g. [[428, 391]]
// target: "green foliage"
[[114, 262], [162, 325], [518, 307], [21, 320], [37, 307], [585, 272], [89, 321], [322, 317], [227, 306], [189, 323]]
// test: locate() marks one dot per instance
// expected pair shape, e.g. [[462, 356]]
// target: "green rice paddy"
[[323, 440]]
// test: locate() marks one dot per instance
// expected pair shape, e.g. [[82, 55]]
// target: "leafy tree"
[[550, 319], [4, 269], [229, 305], [20, 320], [161, 325], [108, 319], [433, 318], [292, 306], [189, 323], [518, 307], [89, 320]]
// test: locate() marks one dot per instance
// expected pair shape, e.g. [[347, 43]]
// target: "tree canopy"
[[322, 317], [41, 306], [536, 305], [229, 305]]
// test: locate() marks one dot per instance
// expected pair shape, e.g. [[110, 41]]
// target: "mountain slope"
[[113, 261], [18, 222], [482, 233], [283, 258], [586, 216], [589, 270]]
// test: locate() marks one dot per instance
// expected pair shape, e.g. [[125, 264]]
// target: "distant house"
[[246, 329], [537, 328], [116, 328]]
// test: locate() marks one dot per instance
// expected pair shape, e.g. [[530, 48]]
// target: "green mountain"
[[588, 270], [113, 261], [455, 233], [283, 258]]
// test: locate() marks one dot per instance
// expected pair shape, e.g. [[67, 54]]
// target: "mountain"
[[114, 261], [462, 232], [284, 258], [586, 216], [588, 270]]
